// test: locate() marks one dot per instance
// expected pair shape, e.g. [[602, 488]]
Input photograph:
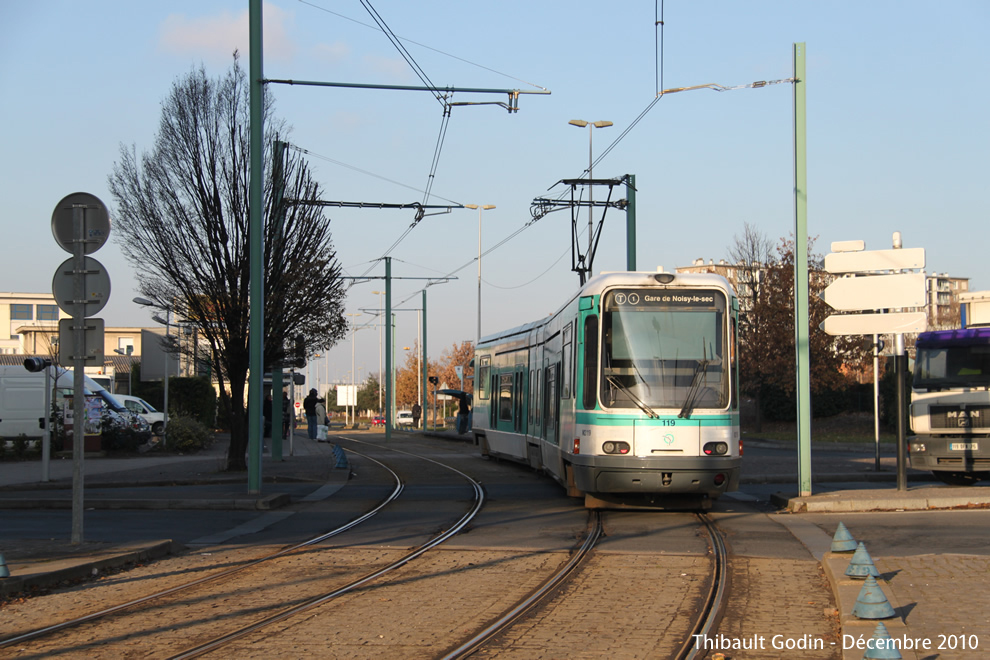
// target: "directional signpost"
[[877, 287]]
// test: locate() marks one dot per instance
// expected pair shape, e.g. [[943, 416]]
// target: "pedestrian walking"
[[417, 412]]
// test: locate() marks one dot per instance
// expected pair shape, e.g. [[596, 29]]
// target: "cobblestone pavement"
[[777, 602]]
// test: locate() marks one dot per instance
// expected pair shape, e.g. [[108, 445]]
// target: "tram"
[[627, 396]]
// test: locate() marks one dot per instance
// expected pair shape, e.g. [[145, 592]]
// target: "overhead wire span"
[[406, 55], [368, 173], [422, 45], [509, 288]]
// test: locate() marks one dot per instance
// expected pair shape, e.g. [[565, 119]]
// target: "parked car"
[[404, 418], [378, 421], [145, 410]]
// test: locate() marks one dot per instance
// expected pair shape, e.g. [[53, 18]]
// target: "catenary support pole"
[[630, 222], [424, 367], [388, 350], [801, 330], [278, 191], [256, 339]]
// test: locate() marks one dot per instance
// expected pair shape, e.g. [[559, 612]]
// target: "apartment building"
[[24, 314]]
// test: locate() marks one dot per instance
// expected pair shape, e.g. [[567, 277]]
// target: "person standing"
[[266, 411], [417, 411], [286, 415], [309, 406]]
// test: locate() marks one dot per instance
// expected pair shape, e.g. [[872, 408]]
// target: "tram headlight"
[[716, 449], [612, 447]]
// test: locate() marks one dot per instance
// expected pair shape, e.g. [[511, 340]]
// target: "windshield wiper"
[[695, 387], [614, 382]]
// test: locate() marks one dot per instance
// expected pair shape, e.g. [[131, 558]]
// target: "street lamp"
[[353, 388], [130, 367], [144, 302], [580, 123], [486, 207], [381, 313]]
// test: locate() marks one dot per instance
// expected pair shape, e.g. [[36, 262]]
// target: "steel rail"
[[539, 593], [717, 590], [42, 632], [219, 642]]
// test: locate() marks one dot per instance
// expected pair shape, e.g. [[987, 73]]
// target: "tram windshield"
[[664, 349]]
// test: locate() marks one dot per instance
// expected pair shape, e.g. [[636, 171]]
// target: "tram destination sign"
[[664, 298]]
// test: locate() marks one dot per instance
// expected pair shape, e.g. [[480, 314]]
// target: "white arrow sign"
[[875, 324], [874, 260], [876, 292]]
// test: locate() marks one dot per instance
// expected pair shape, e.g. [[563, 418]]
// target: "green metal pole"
[[423, 364], [278, 190], [801, 330], [631, 222], [388, 349], [256, 339]]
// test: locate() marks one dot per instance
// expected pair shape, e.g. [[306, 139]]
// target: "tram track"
[[219, 577], [278, 631], [714, 601], [224, 640], [707, 606]]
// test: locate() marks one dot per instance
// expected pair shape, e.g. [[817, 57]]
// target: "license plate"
[[964, 446]]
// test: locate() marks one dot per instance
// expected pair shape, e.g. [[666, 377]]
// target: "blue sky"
[[897, 133]]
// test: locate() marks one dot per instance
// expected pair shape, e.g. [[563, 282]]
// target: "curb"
[[266, 503], [85, 568]]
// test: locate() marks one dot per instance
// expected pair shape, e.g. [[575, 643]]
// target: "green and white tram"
[[628, 395]]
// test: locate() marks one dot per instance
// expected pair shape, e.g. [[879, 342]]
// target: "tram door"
[[551, 406]]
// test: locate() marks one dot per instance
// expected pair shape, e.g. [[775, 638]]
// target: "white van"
[[147, 411], [22, 401]]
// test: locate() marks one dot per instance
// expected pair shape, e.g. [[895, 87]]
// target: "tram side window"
[[565, 390], [484, 369], [505, 398], [518, 401], [532, 394], [733, 366], [590, 377]]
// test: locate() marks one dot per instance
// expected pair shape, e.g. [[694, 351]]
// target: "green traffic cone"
[[861, 564], [843, 541]]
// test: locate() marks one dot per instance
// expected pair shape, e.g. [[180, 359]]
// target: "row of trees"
[[408, 378]]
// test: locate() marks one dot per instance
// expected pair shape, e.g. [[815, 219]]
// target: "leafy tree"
[[408, 376], [407, 379], [181, 219], [367, 396]]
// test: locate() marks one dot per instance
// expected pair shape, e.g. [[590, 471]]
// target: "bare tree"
[[181, 220], [753, 255]]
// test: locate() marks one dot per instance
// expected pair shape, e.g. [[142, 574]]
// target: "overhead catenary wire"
[[406, 55], [422, 45]]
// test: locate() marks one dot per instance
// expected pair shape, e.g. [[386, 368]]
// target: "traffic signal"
[[35, 365], [434, 380], [299, 352]]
